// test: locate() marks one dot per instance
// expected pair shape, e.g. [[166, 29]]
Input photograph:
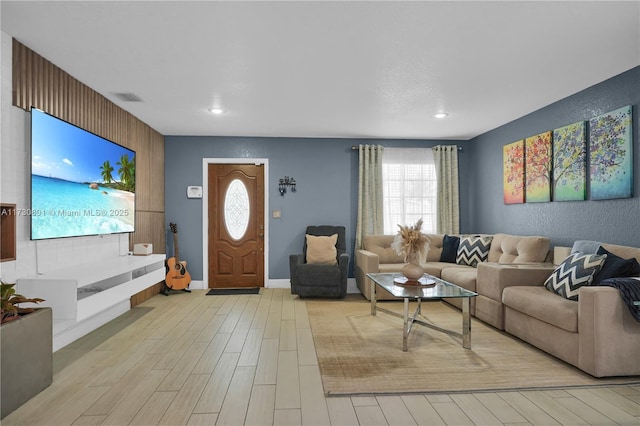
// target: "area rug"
[[360, 354], [228, 291]]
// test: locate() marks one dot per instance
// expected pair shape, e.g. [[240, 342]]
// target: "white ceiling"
[[332, 69]]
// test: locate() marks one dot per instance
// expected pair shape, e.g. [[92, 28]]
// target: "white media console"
[[84, 297]]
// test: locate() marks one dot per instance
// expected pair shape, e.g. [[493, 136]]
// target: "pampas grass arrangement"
[[410, 240]]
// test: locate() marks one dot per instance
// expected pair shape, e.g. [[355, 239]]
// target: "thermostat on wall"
[[194, 192]]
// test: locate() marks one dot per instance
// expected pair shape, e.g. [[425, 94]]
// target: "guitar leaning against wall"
[[178, 278]]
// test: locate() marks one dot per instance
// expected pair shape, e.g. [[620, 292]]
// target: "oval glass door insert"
[[236, 209]]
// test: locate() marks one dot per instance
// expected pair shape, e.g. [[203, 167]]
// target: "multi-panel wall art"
[[513, 176], [570, 162], [553, 165], [538, 168], [611, 156]]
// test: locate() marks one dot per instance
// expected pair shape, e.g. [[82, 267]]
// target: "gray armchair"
[[320, 280]]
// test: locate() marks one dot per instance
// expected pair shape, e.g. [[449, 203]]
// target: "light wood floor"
[[250, 359]]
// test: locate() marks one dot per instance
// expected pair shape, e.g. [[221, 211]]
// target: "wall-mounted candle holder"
[[286, 182]]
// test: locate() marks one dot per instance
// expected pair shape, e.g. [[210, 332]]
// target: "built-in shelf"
[[7, 232], [86, 296]]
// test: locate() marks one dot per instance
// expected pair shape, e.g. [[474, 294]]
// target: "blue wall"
[[612, 221], [326, 172]]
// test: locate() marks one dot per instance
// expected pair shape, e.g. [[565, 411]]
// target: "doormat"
[[225, 291]]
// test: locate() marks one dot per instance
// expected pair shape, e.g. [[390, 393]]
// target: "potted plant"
[[26, 346], [10, 309]]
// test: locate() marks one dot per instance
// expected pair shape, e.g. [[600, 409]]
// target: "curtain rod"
[[355, 147]]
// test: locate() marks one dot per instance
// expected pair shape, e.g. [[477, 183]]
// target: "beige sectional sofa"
[[597, 333], [378, 256], [493, 278]]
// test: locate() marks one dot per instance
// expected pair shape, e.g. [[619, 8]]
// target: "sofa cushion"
[[575, 271], [507, 248], [539, 303], [624, 252], [435, 247], [322, 249], [386, 268], [319, 276], [435, 268], [616, 267], [381, 245], [464, 277], [473, 250], [449, 248], [432, 268]]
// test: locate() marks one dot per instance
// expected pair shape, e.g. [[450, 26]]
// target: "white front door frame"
[[205, 211]]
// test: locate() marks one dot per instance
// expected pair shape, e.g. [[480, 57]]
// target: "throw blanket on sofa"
[[629, 290]]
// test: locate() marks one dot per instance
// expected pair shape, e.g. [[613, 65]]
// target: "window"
[[409, 188], [236, 209]]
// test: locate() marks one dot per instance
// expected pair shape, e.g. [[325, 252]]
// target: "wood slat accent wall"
[[146, 294], [39, 83]]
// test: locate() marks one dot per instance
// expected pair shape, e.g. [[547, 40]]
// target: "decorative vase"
[[412, 270]]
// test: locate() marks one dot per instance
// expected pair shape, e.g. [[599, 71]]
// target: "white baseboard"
[[352, 287], [286, 283], [197, 285]]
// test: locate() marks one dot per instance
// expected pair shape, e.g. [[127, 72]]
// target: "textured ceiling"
[[332, 69]]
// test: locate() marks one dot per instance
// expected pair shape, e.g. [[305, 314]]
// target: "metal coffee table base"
[[415, 318]]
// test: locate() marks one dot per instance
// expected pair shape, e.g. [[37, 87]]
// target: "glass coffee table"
[[432, 288]]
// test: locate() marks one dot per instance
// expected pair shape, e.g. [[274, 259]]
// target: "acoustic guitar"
[[178, 278]]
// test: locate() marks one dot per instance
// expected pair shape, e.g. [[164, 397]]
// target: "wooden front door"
[[236, 225]]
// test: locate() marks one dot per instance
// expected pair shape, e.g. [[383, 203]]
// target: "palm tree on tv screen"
[[107, 170], [127, 172]]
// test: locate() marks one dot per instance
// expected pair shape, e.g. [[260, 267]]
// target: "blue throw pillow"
[[449, 249], [616, 267], [585, 246]]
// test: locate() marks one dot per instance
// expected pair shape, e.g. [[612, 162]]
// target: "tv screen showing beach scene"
[[81, 184]]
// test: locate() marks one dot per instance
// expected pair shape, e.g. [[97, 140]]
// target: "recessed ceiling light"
[[441, 115], [216, 111]]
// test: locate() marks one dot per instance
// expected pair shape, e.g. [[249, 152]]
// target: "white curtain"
[[410, 188], [369, 220], [446, 161]]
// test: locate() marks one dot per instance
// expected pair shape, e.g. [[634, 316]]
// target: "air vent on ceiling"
[[128, 97]]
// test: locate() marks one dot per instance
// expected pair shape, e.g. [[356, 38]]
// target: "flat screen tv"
[[81, 183]]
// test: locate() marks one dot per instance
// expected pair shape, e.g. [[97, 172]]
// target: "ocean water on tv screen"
[[61, 208]]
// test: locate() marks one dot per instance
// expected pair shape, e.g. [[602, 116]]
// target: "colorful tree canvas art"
[[570, 162], [513, 172], [611, 156], [538, 168]]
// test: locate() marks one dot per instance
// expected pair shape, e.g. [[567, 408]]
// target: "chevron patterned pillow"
[[473, 250], [575, 271]]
